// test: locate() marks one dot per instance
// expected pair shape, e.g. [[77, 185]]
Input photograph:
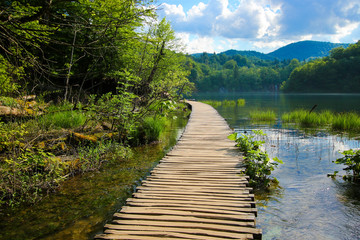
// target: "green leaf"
[[232, 136]]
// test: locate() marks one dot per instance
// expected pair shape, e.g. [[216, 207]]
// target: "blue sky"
[[261, 25]]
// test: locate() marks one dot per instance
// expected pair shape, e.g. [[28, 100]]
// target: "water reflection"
[[307, 204]]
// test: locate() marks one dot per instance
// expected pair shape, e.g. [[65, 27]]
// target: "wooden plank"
[[191, 193], [182, 219], [205, 232], [245, 209], [156, 235], [195, 197], [197, 225], [198, 190]]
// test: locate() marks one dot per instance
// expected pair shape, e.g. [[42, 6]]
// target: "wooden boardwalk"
[[196, 192]]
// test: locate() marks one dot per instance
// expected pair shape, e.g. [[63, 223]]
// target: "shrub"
[[257, 162], [148, 131], [352, 160]]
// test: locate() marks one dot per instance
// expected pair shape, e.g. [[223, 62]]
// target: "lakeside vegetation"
[[267, 115], [258, 165], [81, 82], [214, 103], [348, 122]]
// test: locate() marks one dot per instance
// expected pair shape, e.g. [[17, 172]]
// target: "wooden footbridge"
[[196, 192]]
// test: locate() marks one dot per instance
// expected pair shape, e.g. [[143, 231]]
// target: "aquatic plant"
[[268, 115], [347, 122], [240, 102], [336, 121], [307, 119], [352, 160], [227, 103], [258, 165]]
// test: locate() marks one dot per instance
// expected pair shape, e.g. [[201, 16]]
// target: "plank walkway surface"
[[196, 192]]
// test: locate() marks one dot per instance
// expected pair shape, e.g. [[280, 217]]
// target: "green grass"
[[226, 103], [8, 101], [268, 115], [349, 122], [306, 119], [66, 119], [148, 131]]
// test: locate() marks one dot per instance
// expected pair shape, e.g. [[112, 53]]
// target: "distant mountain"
[[305, 50], [249, 54], [232, 52]]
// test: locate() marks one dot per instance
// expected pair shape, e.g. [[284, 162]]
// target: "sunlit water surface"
[[307, 204]]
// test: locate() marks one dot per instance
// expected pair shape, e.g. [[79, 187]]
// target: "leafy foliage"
[[352, 160], [237, 73], [257, 162]]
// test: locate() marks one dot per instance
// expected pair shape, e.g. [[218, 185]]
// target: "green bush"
[[257, 162], [148, 131], [352, 160]]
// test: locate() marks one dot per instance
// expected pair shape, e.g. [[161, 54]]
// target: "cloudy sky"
[[261, 25]]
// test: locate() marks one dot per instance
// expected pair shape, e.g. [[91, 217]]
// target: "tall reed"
[[268, 115]]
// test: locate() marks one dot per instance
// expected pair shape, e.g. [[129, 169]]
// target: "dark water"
[[83, 205], [307, 204]]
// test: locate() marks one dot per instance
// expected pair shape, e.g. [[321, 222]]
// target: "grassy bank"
[[39, 151]]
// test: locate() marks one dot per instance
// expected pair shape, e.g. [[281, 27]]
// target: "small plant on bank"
[[352, 160], [257, 162]]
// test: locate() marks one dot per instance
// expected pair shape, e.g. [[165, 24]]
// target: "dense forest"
[[89, 46], [340, 72], [238, 73], [81, 81], [244, 71]]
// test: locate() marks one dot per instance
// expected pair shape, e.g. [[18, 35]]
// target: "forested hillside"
[[305, 50], [340, 72], [237, 73]]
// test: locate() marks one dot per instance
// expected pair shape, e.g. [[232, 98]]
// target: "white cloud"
[[197, 44], [174, 12], [266, 23], [344, 31]]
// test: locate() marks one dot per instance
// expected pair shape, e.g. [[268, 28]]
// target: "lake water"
[[307, 204]]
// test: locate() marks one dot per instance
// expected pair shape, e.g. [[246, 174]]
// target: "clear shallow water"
[[307, 204], [83, 204]]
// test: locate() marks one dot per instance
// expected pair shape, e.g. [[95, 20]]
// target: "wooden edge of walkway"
[[197, 191]]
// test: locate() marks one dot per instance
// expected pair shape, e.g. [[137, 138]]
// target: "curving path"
[[196, 192]]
